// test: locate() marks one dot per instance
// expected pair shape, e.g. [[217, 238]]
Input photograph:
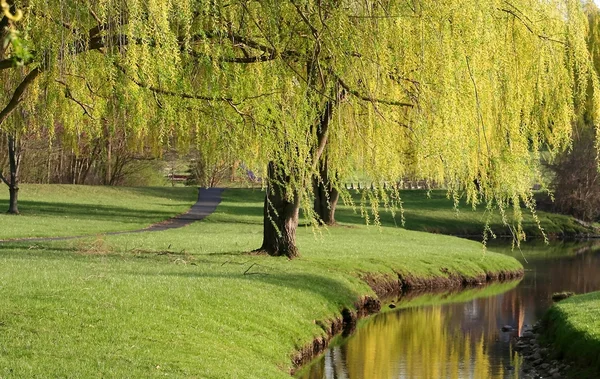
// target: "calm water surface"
[[458, 335]]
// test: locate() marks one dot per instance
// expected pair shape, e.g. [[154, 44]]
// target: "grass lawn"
[[433, 212], [72, 210], [86, 210], [574, 329], [190, 302]]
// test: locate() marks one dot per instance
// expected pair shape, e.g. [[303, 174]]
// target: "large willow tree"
[[464, 92]]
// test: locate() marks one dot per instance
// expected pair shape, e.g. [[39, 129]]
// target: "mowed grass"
[[574, 330], [433, 212], [191, 302], [73, 210]]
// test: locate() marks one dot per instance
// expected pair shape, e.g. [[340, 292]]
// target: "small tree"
[[577, 181]]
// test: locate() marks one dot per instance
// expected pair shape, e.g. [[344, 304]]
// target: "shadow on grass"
[[87, 211], [318, 284]]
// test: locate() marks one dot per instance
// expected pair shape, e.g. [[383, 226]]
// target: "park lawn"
[[191, 302], [433, 212], [87, 210], [73, 210], [573, 327]]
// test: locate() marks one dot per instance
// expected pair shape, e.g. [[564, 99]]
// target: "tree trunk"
[[281, 213], [326, 196], [14, 156], [108, 179]]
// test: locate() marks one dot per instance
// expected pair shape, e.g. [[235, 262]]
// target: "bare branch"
[[3, 178]]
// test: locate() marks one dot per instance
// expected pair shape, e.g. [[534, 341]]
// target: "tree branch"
[[4, 179], [18, 94], [161, 91], [372, 99], [69, 95], [529, 28]]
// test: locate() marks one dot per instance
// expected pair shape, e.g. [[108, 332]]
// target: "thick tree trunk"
[[326, 196], [281, 212]]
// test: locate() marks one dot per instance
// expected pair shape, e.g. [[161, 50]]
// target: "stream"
[[459, 334]]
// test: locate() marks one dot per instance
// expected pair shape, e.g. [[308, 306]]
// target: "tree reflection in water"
[[464, 339]]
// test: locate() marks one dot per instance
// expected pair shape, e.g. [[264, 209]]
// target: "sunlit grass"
[[72, 210], [433, 212], [574, 329], [191, 302]]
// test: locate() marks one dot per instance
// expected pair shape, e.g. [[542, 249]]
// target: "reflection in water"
[[460, 340]]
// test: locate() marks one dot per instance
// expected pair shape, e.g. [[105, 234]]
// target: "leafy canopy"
[[463, 92]]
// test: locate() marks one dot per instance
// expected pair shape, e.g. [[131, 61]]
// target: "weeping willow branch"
[[69, 95], [370, 99], [530, 28], [162, 91]]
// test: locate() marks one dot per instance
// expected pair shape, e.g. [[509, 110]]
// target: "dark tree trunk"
[[326, 196], [14, 158], [281, 211]]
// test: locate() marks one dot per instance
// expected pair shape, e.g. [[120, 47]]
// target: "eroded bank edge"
[[387, 287]]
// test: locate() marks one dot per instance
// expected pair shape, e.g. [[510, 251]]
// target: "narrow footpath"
[[208, 200]]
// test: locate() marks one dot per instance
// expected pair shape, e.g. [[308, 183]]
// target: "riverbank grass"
[[573, 327], [433, 212], [192, 302]]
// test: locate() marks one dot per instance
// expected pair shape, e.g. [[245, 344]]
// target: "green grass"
[[191, 303], [73, 210], [573, 327], [433, 212]]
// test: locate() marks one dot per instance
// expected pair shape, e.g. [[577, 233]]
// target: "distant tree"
[[576, 176]]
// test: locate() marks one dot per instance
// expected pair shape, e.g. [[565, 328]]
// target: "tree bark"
[[14, 157], [326, 196], [282, 208], [281, 213]]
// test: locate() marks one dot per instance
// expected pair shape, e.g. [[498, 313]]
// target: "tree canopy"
[[463, 92]]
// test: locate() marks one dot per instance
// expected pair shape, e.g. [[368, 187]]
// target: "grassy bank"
[[72, 210], [432, 212], [192, 303], [573, 327]]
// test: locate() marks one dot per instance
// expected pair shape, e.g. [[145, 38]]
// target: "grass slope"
[[73, 210], [191, 303], [573, 326], [433, 212]]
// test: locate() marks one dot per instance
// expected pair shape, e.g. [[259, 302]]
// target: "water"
[[458, 335]]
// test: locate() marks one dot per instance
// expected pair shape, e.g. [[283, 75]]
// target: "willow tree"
[[454, 92], [465, 93]]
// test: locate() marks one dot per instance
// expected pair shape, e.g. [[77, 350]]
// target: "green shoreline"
[[191, 302], [572, 327]]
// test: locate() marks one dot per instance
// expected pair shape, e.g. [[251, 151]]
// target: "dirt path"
[[208, 200]]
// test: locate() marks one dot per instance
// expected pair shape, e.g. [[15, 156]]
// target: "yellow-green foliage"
[[452, 91]]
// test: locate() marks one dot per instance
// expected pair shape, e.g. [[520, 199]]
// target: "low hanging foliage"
[[462, 92]]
